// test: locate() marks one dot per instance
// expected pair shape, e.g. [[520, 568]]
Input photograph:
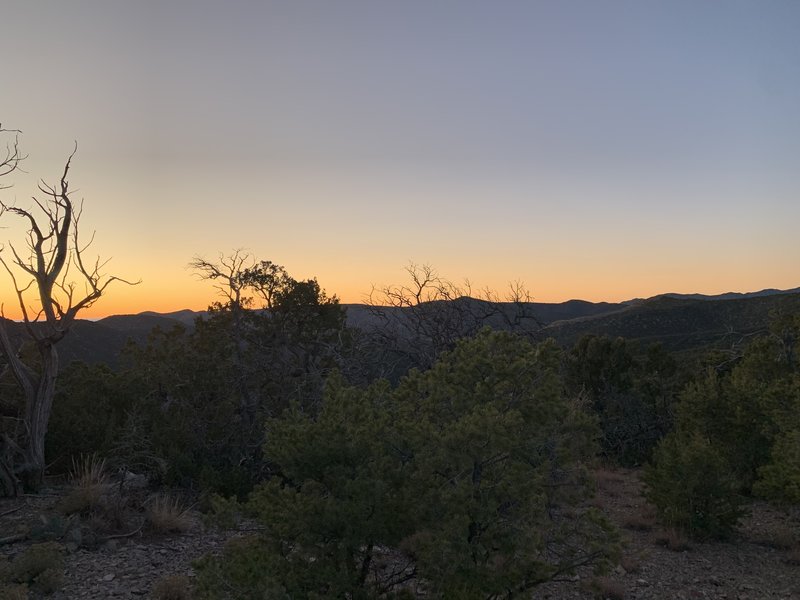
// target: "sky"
[[595, 149]]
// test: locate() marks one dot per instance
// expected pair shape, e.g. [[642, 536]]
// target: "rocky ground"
[[762, 561]]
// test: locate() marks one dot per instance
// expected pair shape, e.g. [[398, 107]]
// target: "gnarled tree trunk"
[[52, 250]]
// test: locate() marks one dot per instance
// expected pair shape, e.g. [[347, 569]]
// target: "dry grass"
[[90, 483], [600, 502], [638, 522], [605, 588], [608, 481], [167, 514], [780, 540], [632, 563], [172, 587], [673, 539], [89, 470], [13, 591]]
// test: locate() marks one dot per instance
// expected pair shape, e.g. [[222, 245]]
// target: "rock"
[[134, 480], [109, 577], [110, 545]]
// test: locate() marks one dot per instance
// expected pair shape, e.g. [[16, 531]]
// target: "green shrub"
[[88, 411], [247, 571], [632, 392], [173, 587], [469, 477], [693, 487], [780, 479], [40, 567]]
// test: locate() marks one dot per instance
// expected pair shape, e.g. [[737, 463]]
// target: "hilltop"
[[678, 321]]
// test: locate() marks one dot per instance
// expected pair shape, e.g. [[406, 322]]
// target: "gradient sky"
[[595, 149]]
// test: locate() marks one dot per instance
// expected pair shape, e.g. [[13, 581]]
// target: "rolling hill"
[[679, 321]]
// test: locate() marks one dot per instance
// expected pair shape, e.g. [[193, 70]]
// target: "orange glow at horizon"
[[169, 293]]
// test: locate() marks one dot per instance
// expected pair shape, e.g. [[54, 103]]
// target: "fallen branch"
[[13, 510], [13, 538], [124, 535]]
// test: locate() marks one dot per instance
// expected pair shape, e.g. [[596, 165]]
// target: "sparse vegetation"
[[673, 539], [39, 567], [167, 514], [173, 587], [631, 563], [89, 484], [606, 588], [638, 522]]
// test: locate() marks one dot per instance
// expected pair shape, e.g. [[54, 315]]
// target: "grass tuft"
[[673, 539], [167, 514], [172, 587], [605, 588], [90, 483]]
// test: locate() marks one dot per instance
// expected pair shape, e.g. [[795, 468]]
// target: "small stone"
[[109, 577]]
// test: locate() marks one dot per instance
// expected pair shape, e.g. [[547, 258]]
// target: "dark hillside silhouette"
[[678, 323]]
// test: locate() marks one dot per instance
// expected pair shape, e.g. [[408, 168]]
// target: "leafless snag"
[[53, 255], [420, 319], [227, 275], [10, 162]]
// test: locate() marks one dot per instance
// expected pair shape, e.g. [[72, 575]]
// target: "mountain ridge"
[[679, 321]]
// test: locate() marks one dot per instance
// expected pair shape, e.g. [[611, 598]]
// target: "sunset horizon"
[[102, 309], [390, 300], [596, 152]]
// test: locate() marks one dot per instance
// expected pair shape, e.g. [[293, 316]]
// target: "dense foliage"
[[738, 423], [468, 477], [631, 391]]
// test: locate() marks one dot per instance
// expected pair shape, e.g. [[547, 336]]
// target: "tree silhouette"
[[49, 300]]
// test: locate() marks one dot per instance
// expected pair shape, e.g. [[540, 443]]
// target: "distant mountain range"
[[679, 321], [726, 296]]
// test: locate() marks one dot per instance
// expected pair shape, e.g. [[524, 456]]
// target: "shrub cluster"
[[467, 478], [39, 568], [737, 433]]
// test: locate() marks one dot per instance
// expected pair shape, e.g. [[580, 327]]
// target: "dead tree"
[[415, 322], [231, 285], [49, 298]]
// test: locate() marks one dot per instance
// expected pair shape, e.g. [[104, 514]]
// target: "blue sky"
[[595, 149]]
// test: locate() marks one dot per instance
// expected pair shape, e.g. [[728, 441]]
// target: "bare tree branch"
[[54, 255]]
